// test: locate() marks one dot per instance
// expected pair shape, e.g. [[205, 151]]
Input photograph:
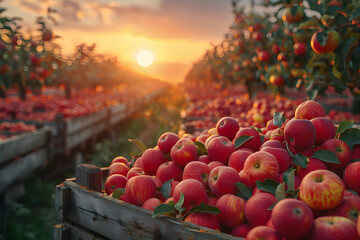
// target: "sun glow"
[[145, 58]]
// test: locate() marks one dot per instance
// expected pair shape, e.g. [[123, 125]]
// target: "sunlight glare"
[[145, 58]]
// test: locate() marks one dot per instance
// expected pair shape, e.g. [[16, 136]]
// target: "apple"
[[312, 165], [300, 134], [220, 149], [194, 193], [134, 171], [204, 158], [258, 36], [231, 210], [118, 168], [113, 182], [150, 160], [120, 159], [47, 35], [293, 14], [151, 204], [342, 150], [183, 152], [277, 81], [237, 159], [264, 56], [166, 141], [358, 226], [169, 170], [349, 208], [222, 180], [253, 143], [355, 154], [322, 190], [256, 208], [209, 139], [272, 143], [227, 127], [282, 156], [203, 219], [140, 188], [332, 42], [309, 110], [292, 218], [351, 176], [202, 138], [260, 166], [197, 170], [262, 233], [333, 228], [325, 129], [240, 230], [215, 164], [299, 48]]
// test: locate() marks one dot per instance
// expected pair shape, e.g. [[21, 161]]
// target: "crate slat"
[[70, 232], [78, 124]]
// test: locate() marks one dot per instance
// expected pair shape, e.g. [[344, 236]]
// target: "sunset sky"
[[177, 32]]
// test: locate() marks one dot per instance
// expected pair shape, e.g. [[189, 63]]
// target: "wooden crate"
[[22, 154], [93, 215]]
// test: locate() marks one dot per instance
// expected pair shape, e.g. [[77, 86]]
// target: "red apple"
[[342, 150], [150, 160], [313, 164], [204, 158], [292, 218], [351, 176], [256, 208], [134, 171], [355, 153], [227, 127], [222, 180], [120, 159], [169, 170], [272, 143], [241, 230], [282, 156], [194, 193], [204, 219], [151, 204], [231, 210], [166, 141], [215, 164], [322, 190], [220, 149], [253, 143], [118, 168], [300, 134], [358, 226], [183, 152], [140, 188], [333, 228], [197, 170], [260, 166], [309, 110], [237, 159], [349, 208], [113, 182], [262, 233], [332, 42], [325, 129]]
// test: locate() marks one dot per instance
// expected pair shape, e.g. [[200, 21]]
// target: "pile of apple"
[[294, 179]]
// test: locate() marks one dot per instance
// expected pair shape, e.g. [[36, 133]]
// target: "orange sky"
[[176, 32]]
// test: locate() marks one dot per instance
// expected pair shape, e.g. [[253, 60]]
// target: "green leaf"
[[241, 140], [166, 189], [353, 192], [272, 206], [326, 156], [203, 208], [355, 13], [322, 37], [288, 178], [293, 10], [199, 144], [351, 137], [118, 193], [262, 137], [268, 185], [135, 153], [257, 129], [279, 119], [280, 192], [139, 144], [163, 209], [300, 160], [243, 191], [344, 125], [178, 205], [201, 148], [355, 160]]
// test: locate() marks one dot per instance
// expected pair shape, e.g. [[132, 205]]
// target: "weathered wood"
[[116, 219], [23, 144], [89, 176], [19, 169], [62, 202], [67, 231], [80, 123]]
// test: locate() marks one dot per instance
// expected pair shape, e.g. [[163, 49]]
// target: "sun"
[[145, 58]]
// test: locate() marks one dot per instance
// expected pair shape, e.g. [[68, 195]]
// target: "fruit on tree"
[[322, 190], [332, 41], [277, 80], [292, 218], [299, 48], [293, 14]]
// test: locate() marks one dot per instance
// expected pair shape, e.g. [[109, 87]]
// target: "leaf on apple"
[[279, 119], [203, 208], [178, 206], [322, 37], [351, 137], [292, 194], [262, 137], [353, 192], [288, 178], [241, 140], [300, 160], [257, 129], [118, 193], [344, 125], [280, 192], [268, 185], [243, 191], [139, 144], [326, 156], [201, 148], [163, 209], [166, 189]]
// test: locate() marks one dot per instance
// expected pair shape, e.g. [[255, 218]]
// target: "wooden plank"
[[80, 123], [62, 202], [23, 144], [66, 231], [19, 169], [119, 108], [78, 138], [89, 176], [116, 219]]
